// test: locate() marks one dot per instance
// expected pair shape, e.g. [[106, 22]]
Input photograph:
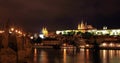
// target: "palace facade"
[[84, 27]]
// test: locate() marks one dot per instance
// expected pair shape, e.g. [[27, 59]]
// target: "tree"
[[37, 40], [87, 35]]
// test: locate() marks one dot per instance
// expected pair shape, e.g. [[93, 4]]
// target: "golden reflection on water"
[[43, 57], [104, 56], [64, 56], [118, 53], [72, 56], [110, 56], [35, 55], [40, 56], [111, 53], [87, 54]]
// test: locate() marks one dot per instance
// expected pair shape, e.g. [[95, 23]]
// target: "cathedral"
[[83, 27], [45, 31]]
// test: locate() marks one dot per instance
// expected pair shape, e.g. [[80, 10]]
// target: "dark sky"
[[32, 15]]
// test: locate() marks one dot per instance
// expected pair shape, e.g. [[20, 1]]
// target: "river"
[[71, 55]]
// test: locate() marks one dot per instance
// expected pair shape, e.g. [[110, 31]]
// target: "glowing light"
[[45, 32], [104, 54], [105, 32], [111, 44], [31, 37], [87, 45], [82, 49], [43, 57], [19, 32], [16, 31], [87, 54], [35, 35], [104, 28], [64, 56], [41, 36], [12, 29], [82, 26], [82, 46], [10, 32], [58, 32], [64, 44], [104, 44], [118, 45], [111, 53], [35, 52], [2, 31]]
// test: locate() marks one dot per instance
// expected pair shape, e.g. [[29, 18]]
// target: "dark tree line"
[[36, 40]]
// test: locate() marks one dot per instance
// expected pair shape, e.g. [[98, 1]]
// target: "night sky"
[[32, 15]]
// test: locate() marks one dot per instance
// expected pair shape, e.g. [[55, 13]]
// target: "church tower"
[[82, 26], [45, 31], [79, 26]]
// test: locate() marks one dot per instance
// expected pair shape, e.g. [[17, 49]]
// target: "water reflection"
[[35, 55], [43, 57], [72, 55], [110, 56], [87, 56], [64, 56]]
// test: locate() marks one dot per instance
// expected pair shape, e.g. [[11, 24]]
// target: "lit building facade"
[[45, 31], [83, 27], [105, 32]]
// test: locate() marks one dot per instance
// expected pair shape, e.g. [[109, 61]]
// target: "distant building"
[[45, 31], [105, 31], [84, 27]]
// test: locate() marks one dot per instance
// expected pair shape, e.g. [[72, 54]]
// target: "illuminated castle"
[[83, 27], [45, 31]]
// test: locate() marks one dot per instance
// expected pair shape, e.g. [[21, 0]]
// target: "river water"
[[71, 55]]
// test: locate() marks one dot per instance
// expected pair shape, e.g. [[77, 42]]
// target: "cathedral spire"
[[45, 31], [82, 26]]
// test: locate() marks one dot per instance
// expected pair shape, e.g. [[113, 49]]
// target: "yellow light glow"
[[19, 32], [111, 44], [31, 37], [82, 46], [16, 31], [64, 44], [87, 45], [10, 32], [58, 32], [64, 56], [35, 52], [104, 44], [104, 54], [118, 45], [12, 29], [45, 32], [1, 31]]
